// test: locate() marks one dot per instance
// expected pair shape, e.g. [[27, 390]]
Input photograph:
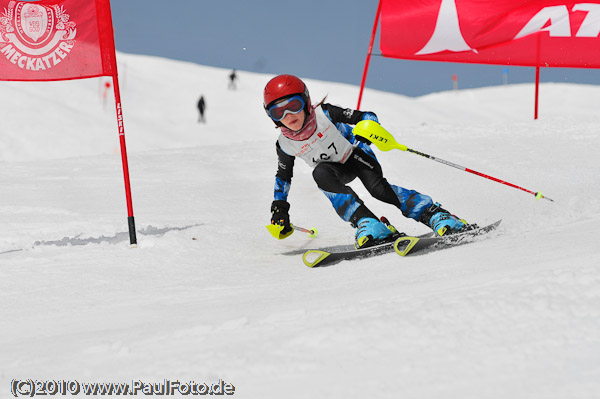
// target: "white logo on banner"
[[447, 34], [35, 37]]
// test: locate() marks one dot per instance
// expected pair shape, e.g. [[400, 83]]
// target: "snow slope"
[[516, 316]]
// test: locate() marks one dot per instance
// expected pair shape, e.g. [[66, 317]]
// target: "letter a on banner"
[[52, 40]]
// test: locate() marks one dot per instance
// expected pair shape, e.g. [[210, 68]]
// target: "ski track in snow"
[[209, 295]]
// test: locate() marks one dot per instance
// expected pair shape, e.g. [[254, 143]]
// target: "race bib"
[[325, 145]]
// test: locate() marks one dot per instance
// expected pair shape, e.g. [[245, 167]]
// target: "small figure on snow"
[[232, 78], [321, 136], [201, 108]]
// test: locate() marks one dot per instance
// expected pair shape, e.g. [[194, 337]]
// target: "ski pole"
[[311, 233], [376, 134], [275, 230]]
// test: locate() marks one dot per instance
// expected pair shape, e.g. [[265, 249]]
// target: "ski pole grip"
[[377, 135]]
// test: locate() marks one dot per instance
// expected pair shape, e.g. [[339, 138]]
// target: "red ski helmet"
[[283, 86]]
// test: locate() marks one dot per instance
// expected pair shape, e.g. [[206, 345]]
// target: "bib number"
[[326, 156]]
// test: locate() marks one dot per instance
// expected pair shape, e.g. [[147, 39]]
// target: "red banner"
[[56, 40], [509, 32]]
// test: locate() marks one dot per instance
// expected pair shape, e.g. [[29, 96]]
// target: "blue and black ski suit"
[[332, 177]]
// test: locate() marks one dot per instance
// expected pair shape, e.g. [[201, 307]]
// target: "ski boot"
[[442, 222], [371, 231]]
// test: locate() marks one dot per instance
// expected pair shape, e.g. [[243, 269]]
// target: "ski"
[[403, 246], [332, 255], [410, 245]]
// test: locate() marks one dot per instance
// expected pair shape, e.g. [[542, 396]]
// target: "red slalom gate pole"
[[537, 92], [130, 218], [364, 77]]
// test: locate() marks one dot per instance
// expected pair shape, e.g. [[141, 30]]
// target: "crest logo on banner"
[[35, 37]]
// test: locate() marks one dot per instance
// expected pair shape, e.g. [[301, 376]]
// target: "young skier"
[[321, 136]]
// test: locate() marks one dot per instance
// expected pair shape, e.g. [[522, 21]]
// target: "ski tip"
[[492, 226], [313, 257]]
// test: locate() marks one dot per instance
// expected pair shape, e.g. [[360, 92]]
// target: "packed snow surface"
[[209, 295]]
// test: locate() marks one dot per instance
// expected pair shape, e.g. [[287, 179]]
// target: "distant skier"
[[201, 108], [232, 78], [321, 136]]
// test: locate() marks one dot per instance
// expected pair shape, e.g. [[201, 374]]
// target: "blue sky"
[[324, 39]]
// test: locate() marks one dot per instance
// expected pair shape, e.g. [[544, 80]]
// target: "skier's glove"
[[281, 217], [363, 139]]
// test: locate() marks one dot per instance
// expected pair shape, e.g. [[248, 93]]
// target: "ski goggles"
[[292, 105]]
